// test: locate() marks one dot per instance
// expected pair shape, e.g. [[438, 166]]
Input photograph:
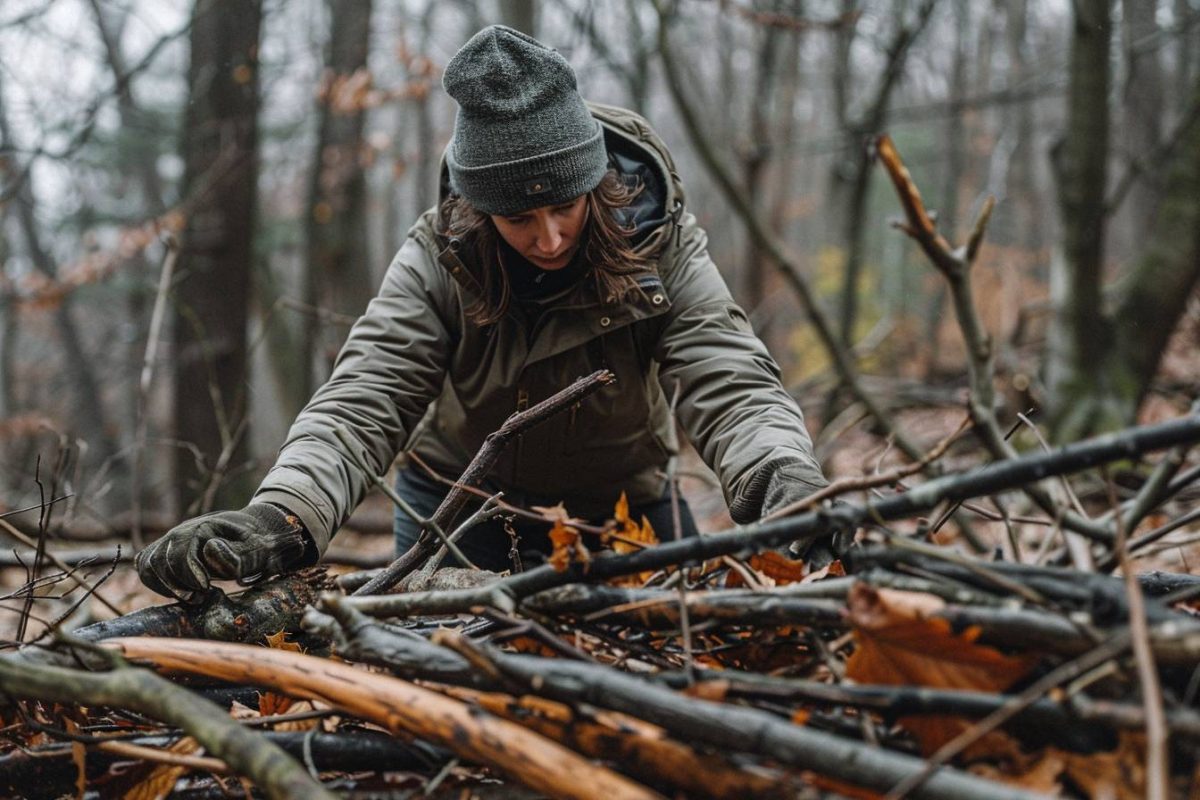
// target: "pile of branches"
[[714, 667]]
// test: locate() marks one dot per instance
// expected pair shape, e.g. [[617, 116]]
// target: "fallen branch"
[[477, 470], [244, 751], [49, 767], [955, 266], [397, 705], [727, 727], [636, 747], [993, 478]]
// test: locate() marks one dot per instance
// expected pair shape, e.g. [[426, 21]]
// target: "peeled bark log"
[[397, 705]]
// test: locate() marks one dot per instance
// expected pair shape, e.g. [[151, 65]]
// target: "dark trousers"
[[489, 544]]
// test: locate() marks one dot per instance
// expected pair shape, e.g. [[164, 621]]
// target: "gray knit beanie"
[[523, 137]]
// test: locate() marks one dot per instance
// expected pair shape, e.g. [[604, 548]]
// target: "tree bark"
[[399, 706], [339, 267], [1156, 290], [219, 147], [519, 14], [756, 154], [1079, 337], [1143, 101]]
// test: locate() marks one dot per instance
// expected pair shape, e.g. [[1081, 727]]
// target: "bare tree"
[[756, 153], [339, 266], [87, 415], [852, 171], [1022, 183], [219, 148], [1143, 102], [519, 14], [1080, 339]]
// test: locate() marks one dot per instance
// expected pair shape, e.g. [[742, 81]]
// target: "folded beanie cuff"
[[511, 187]]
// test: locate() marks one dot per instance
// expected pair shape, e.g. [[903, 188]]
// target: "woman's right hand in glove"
[[260, 540]]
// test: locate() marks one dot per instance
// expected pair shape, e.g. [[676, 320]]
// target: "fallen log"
[[397, 705], [248, 616]]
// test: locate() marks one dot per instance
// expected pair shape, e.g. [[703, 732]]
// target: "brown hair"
[[606, 247]]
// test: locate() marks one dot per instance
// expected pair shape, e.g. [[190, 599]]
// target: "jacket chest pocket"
[[616, 414]]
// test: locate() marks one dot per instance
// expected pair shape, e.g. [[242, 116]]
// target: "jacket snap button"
[[605, 322], [657, 299]]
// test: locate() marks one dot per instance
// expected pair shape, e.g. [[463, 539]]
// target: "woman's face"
[[547, 236]]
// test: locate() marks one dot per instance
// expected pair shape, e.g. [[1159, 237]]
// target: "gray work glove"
[[262, 539], [788, 484]]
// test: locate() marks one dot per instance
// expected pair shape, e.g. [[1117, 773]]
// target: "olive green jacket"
[[416, 374]]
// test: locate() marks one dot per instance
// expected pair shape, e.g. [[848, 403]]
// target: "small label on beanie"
[[538, 185]]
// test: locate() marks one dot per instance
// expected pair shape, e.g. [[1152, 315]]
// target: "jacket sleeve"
[[389, 371], [732, 403]]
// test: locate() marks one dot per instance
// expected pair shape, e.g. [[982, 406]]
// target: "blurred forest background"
[[290, 145]]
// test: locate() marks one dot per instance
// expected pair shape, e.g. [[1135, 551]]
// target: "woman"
[[561, 245]]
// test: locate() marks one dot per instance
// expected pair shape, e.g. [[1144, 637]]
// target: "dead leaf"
[[278, 641], [630, 537], [556, 512], [774, 569], [270, 704], [709, 690], [530, 644], [1120, 775], [161, 780], [1040, 773], [567, 547], [901, 641], [833, 569], [239, 711], [298, 707], [78, 758]]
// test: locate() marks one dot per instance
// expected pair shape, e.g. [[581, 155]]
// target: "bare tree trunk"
[[852, 176], [87, 417], [1144, 106], [1080, 338], [141, 285], [639, 72], [784, 176], [519, 14], [1022, 184], [219, 147], [8, 328], [1188, 50], [339, 267], [756, 154], [1164, 277], [428, 156]]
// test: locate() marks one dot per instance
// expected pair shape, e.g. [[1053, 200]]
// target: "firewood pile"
[[634, 665]]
